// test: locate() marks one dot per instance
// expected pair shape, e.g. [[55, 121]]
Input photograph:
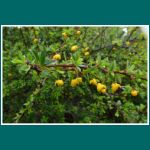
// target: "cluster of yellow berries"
[[65, 35], [115, 86], [101, 88], [86, 51], [75, 47], [57, 57], [75, 82], [93, 82]]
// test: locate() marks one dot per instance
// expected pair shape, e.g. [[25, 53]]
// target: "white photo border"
[[95, 124]]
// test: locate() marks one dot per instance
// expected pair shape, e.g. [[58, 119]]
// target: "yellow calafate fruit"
[[74, 82], [115, 87], [103, 90], [78, 32], [79, 79], [74, 48], [93, 82], [59, 82], [134, 92], [100, 87], [57, 57], [86, 53], [35, 41], [64, 35]]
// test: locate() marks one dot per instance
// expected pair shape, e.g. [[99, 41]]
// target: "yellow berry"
[[57, 57], [134, 92], [74, 48], [100, 87], [78, 32], [79, 80], [115, 87], [59, 82], [103, 90], [93, 82], [74, 82], [86, 53], [64, 35]]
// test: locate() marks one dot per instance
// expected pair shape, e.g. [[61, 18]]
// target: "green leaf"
[[42, 57], [17, 61], [35, 55], [24, 68], [117, 114]]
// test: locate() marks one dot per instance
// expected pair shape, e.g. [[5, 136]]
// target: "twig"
[[71, 67], [67, 65]]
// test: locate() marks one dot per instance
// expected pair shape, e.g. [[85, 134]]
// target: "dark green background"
[[94, 12]]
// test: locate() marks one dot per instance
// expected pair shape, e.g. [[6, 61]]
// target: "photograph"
[[74, 75]]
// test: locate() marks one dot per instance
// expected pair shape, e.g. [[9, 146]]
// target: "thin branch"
[[67, 65], [70, 67]]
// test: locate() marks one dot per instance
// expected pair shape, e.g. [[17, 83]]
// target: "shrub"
[[74, 75]]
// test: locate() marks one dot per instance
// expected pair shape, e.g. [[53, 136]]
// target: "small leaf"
[[17, 61], [117, 114]]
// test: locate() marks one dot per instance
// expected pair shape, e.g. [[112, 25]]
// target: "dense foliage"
[[74, 75]]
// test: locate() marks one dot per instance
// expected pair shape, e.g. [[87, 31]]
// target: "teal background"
[[93, 12]]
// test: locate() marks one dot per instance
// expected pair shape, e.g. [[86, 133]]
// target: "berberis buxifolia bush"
[[74, 75]]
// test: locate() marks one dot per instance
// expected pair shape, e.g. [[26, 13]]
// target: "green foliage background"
[[29, 91]]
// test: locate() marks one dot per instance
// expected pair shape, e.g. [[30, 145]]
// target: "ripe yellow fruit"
[[78, 32], [74, 48], [57, 57], [103, 91], [86, 53], [101, 88], [35, 41], [115, 87], [64, 35], [75, 82], [59, 82], [93, 82], [134, 92], [79, 80]]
